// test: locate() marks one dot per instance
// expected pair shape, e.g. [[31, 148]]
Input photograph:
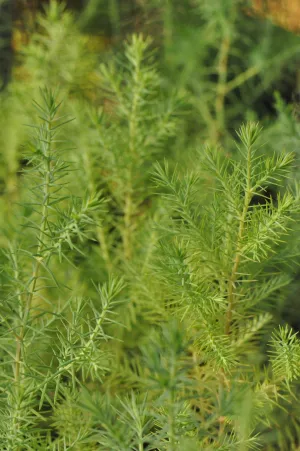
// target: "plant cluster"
[[146, 305]]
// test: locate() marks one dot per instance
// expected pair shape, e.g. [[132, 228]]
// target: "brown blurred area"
[[23, 16], [17, 22], [285, 13]]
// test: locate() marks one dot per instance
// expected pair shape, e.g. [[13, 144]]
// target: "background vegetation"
[[149, 223]]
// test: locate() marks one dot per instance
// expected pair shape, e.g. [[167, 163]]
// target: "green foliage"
[[143, 302], [136, 130], [285, 354], [32, 366], [56, 53], [225, 60]]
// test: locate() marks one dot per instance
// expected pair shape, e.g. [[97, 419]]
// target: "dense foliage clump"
[[149, 252]]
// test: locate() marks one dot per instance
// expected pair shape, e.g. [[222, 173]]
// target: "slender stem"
[[128, 204], [171, 430], [38, 259], [222, 79], [151, 247], [99, 229], [167, 18], [242, 78], [105, 251], [127, 226], [171, 422], [234, 272], [114, 16], [98, 327]]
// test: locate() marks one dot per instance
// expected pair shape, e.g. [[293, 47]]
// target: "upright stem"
[[38, 259], [167, 25], [222, 72], [171, 415], [128, 205], [127, 225], [114, 16], [222, 80], [105, 251], [99, 230], [234, 272]]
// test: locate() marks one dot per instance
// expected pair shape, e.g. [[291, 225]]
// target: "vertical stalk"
[[234, 272], [103, 243], [114, 14], [127, 225], [128, 204], [168, 27], [99, 229], [38, 260], [222, 71], [222, 80], [171, 425], [11, 184]]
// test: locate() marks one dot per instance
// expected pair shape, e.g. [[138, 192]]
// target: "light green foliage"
[[214, 255], [32, 364], [285, 354], [229, 233], [142, 303], [133, 133], [57, 53]]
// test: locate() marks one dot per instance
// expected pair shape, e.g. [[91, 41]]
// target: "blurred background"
[[229, 58]]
